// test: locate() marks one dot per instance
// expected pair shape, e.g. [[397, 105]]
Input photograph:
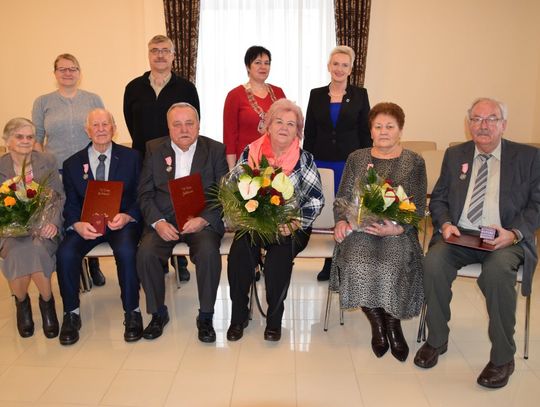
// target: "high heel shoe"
[[379, 341], [49, 318], [25, 324], [398, 344]]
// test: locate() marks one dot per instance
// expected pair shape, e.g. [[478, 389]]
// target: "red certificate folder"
[[187, 196], [101, 203], [472, 241]]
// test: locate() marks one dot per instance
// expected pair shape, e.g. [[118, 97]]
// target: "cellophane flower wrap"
[[25, 206], [257, 199], [376, 199]]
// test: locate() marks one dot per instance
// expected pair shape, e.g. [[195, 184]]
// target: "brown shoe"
[[428, 356], [496, 376]]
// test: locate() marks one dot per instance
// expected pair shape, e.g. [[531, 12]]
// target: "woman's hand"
[[341, 230], [386, 229], [48, 231], [286, 230]]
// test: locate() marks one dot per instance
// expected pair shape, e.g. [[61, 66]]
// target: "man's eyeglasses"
[[490, 121], [164, 51], [72, 69]]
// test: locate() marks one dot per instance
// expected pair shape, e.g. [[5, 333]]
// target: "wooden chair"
[[419, 146]]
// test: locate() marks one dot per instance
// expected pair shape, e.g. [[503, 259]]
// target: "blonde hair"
[[343, 49], [69, 57]]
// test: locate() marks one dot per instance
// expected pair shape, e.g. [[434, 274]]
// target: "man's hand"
[[448, 230], [86, 230], [167, 231], [194, 225], [505, 238], [48, 231], [119, 221], [341, 230]]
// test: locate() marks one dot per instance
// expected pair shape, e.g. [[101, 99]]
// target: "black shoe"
[[379, 340], [69, 333], [428, 356], [183, 273], [207, 334], [48, 317], [398, 344], [495, 377], [133, 330], [324, 274], [156, 325], [272, 334], [236, 331], [98, 279], [25, 323]]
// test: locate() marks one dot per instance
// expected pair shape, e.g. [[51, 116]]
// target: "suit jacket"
[[351, 132], [519, 195], [154, 197], [125, 166], [45, 171]]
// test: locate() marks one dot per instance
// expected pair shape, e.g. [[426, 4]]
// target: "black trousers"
[[278, 265]]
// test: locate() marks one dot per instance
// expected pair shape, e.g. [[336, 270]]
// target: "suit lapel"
[[465, 156], [165, 152], [345, 106], [506, 176], [200, 156], [115, 162]]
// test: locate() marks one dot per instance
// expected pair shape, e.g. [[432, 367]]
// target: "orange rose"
[[407, 206], [9, 201], [251, 205], [275, 200], [266, 182]]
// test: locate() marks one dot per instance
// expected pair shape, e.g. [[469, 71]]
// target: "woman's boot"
[[379, 342], [48, 316], [398, 344], [25, 324]]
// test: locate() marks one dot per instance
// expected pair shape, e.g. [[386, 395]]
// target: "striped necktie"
[[477, 198], [100, 171]]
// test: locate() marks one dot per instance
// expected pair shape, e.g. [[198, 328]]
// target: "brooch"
[[85, 169], [168, 161]]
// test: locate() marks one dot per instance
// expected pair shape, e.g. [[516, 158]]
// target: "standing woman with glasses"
[[246, 105], [59, 118]]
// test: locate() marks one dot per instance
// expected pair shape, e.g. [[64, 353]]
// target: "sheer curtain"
[[298, 33]]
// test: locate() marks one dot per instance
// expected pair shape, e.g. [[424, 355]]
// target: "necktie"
[[100, 172], [477, 199]]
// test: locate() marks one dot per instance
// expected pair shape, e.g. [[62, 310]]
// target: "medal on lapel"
[[168, 161], [464, 170], [85, 170]]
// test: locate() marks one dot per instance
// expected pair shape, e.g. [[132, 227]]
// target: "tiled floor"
[[307, 368]]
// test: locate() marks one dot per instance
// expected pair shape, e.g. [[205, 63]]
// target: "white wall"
[[431, 56]]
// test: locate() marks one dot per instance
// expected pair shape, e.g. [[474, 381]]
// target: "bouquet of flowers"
[[257, 200], [24, 206], [376, 199]]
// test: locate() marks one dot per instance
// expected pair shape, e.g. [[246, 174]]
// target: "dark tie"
[[477, 198], [100, 172]]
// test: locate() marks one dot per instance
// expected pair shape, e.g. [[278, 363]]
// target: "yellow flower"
[[275, 200], [283, 184], [407, 206], [9, 201], [266, 182], [251, 205], [4, 188]]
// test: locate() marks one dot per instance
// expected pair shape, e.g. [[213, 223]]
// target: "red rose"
[[30, 193], [13, 187]]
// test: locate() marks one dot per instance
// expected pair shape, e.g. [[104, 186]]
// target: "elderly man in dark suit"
[[486, 181], [183, 153], [101, 160]]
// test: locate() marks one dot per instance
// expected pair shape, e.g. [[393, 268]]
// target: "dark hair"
[[390, 109], [253, 52]]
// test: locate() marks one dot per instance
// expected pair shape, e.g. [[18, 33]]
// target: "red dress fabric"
[[240, 121]]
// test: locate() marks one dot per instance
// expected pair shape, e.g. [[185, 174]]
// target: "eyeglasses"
[[490, 121], [72, 69], [164, 51]]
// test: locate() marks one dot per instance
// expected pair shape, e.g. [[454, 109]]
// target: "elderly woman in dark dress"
[[380, 269], [31, 258]]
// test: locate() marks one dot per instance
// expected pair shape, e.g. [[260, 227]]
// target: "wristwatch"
[[517, 236]]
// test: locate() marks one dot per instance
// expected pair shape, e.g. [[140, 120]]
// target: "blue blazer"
[[519, 195], [125, 166]]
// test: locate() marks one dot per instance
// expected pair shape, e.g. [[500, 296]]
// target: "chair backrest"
[[433, 161], [474, 270], [455, 143], [419, 146], [325, 220], [537, 145]]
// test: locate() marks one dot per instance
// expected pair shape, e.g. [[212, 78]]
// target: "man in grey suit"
[[487, 181], [183, 153]]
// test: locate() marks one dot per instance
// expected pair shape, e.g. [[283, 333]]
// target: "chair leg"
[[421, 336], [328, 306], [176, 271], [341, 321], [527, 326], [86, 282]]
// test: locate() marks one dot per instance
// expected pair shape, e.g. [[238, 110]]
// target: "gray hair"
[[15, 124], [99, 109], [179, 105], [502, 107], [156, 39], [284, 105], [343, 49]]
